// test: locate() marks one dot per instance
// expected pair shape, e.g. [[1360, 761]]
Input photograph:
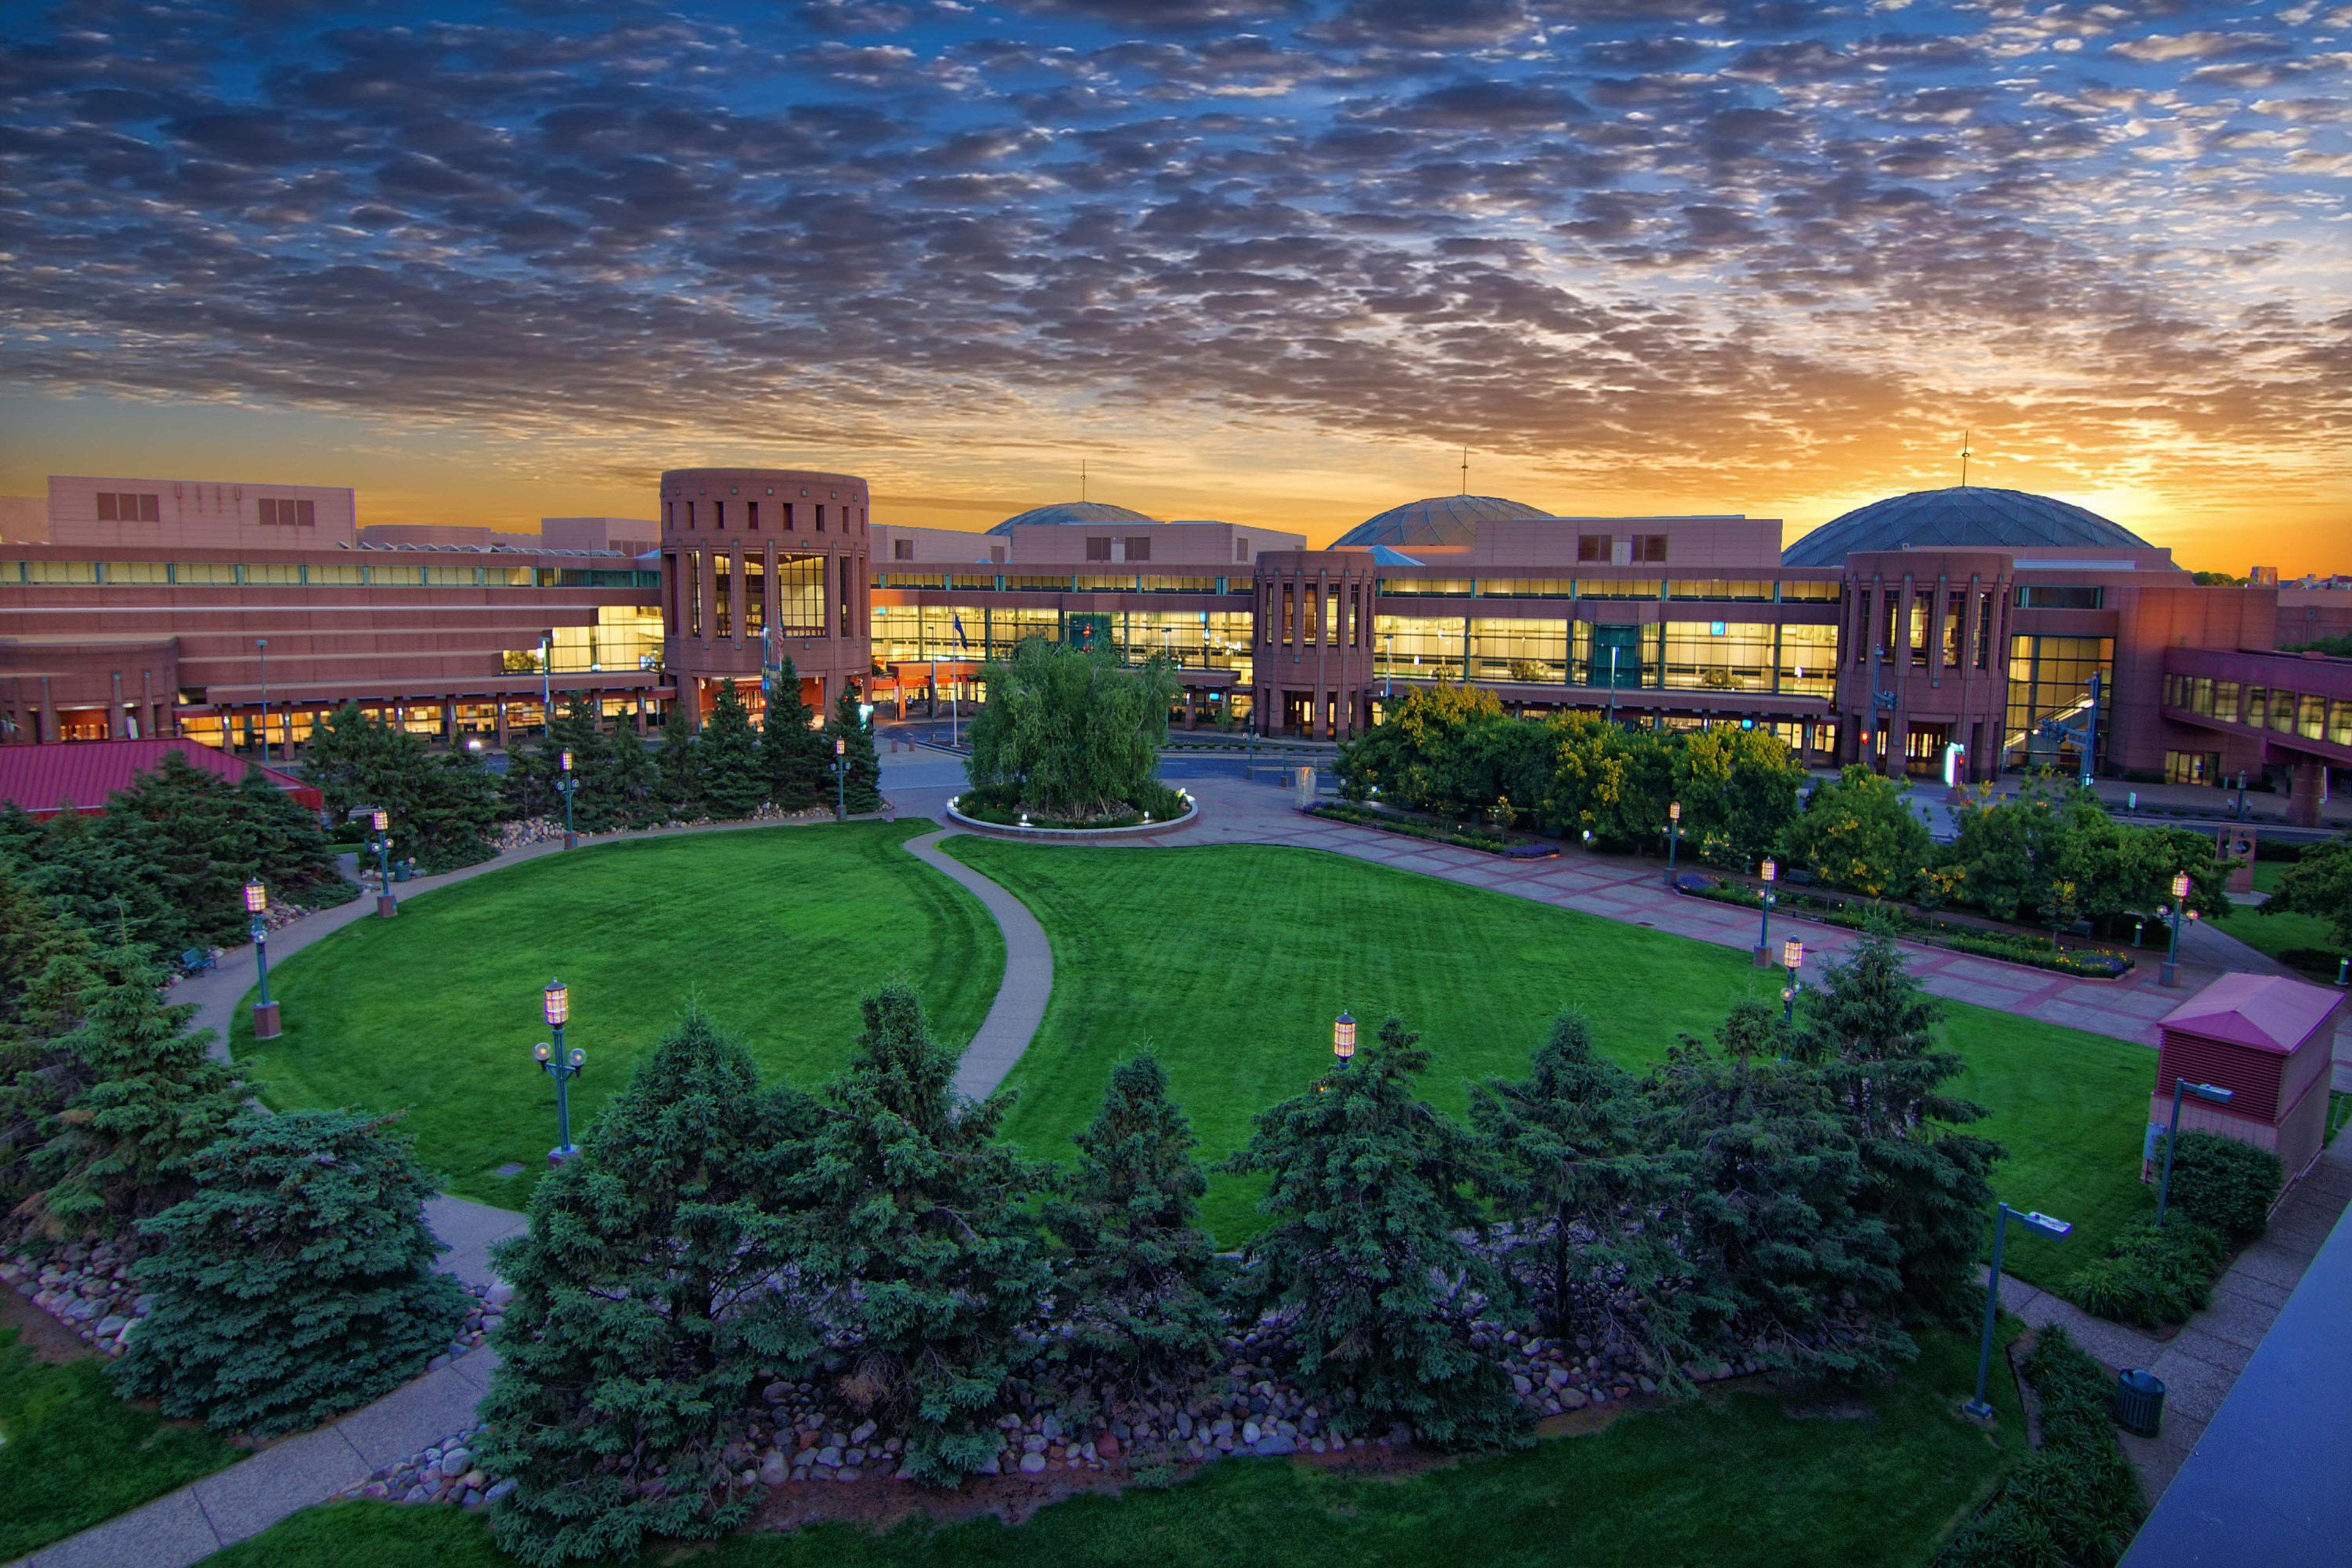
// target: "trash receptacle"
[[2139, 1402]]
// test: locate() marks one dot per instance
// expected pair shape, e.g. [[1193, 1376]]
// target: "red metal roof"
[[80, 774], [2267, 1012]]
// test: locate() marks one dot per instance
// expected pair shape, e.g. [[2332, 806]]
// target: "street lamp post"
[[1792, 959], [265, 1011], [565, 785], [2171, 972], [2180, 1085], [2043, 1222], [1673, 838], [379, 845], [840, 779], [262, 647], [1343, 1040], [560, 1063], [1764, 933]]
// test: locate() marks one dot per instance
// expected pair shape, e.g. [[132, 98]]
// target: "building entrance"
[[1923, 749]]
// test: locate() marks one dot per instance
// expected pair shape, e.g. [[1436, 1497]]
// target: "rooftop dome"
[[1070, 512], [1436, 520], [1962, 517]]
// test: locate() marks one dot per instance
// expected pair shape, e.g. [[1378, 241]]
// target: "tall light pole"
[[2034, 1221], [1388, 667], [2180, 1085], [840, 779], [262, 647], [1673, 838], [546, 684], [265, 1011], [2171, 972], [560, 1063], [565, 785], [1792, 959], [379, 845], [1764, 933], [1343, 1038]]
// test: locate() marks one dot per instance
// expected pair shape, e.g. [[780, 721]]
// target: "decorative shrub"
[[1073, 732], [2152, 1276], [2226, 1183], [2077, 1500]]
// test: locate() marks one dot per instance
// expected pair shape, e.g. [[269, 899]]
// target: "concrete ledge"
[[1074, 834]]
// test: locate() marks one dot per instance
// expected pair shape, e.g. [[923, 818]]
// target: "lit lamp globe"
[[265, 1011], [556, 1003], [379, 820], [1343, 1038]]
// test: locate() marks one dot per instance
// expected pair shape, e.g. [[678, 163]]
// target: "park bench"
[[196, 960]]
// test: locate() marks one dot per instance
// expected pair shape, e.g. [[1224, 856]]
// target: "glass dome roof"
[[1070, 512], [1960, 517], [1436, 520]]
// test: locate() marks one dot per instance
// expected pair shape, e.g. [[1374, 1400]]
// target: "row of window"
[[1878, 616], [714, 515], [1756, 590], [2285, 712], [1693, 656], [1059, 583], [123, 506], [1196, 639], [377, 575]]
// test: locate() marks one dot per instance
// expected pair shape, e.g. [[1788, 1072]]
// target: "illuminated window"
[[691, 584], [799, 595], [755, 580]]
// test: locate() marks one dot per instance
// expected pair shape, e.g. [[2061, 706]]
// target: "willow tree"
[[1072, 732]]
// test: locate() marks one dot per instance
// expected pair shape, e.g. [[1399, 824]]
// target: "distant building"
[[1957, 628]]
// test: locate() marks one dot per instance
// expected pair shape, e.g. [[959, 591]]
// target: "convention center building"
[[1957, 633]]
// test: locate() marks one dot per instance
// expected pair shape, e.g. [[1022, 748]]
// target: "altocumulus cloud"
[[1658, 239]]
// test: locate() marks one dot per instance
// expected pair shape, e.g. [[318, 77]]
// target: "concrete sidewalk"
[[1020, 1005], [247, 1498]]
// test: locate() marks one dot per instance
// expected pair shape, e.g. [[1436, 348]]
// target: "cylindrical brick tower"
[[759, 564]]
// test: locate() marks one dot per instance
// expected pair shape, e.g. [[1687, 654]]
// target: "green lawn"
[[1732, 1481], [777, 931], [1232, 961], [2276, 934], [73, 1455]]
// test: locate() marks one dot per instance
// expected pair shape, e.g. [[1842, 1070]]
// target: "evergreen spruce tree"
[[862, 790], [918, 1229], [103, 883], [291, 853], [296, 1282], [1868, 1031], [43, 971], [680, 770], [1569, 1161], [799, 757], [1781, 1263], [1139, 1285], [644, 1310], [575, 730], [444, 810], [734, 779], [152, 1098], [636, 785], [1363, 1251]]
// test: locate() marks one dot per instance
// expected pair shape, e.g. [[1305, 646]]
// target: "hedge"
[[2075, 1501], [1466, 837], [2041, 952], [2226, 1183]]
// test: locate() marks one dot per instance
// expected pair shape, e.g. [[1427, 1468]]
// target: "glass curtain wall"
[[2049, 681]]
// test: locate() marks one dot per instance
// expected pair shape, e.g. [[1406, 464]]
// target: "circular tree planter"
[[1074, 834]]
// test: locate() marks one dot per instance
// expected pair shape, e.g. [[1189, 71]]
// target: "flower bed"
[[1485, 840], [1002, 808], [2029, 948]]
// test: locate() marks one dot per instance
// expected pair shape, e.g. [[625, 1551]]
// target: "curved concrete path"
[[1020, 1005]]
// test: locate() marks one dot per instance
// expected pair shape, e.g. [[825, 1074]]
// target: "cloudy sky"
[[1270, 260]]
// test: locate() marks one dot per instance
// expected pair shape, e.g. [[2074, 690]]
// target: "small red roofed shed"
[[2267, 1038]]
